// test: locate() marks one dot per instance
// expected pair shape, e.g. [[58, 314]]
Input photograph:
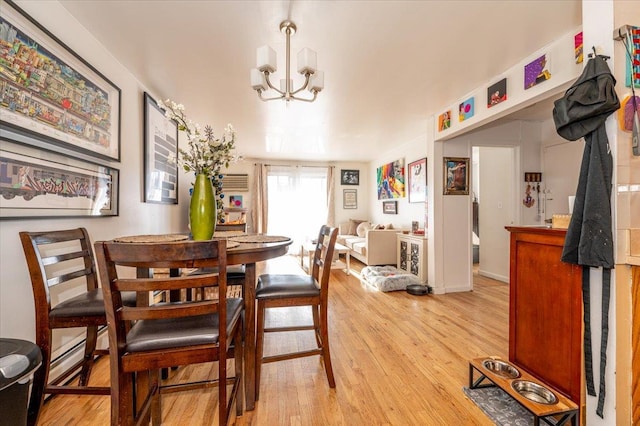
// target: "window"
[[297, 202]]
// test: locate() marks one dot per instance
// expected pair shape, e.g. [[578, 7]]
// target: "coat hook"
[[594, 54]]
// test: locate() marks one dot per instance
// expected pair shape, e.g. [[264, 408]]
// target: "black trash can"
[[19, 359]]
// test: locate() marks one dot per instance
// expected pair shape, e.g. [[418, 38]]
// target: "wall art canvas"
[[578, 47], [390, 207], [536, 71], [349, 177], [50, 93], [466, 109], [497, 93], [633, 63], [390, 180], [39, 183], [235, 201], [160, 154], [444, 121], [417, 173]]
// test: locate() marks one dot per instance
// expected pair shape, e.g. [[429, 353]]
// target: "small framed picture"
[[349, 198], [235, 201], [390, 207], [160, 154], [349, 177], [456, 176]]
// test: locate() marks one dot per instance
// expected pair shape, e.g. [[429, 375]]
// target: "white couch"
[[376, 247]]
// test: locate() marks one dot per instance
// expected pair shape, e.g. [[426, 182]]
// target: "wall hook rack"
[[594, 54]]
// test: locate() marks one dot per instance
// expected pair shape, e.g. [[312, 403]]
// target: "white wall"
[[16, 300]]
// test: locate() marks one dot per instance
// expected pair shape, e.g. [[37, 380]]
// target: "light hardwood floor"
[[398, 360]]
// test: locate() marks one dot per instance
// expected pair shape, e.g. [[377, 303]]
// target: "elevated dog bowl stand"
[[562, 411]]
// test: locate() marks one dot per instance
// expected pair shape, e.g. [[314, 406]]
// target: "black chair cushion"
[[274, 286], [88, 304], [150, 335]]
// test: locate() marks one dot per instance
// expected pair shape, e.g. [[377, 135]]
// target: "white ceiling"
[[389, 65]]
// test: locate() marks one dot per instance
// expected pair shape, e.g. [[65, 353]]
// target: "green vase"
[[202, 210]]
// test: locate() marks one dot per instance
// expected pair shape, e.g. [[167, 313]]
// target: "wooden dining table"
[[247, 254]]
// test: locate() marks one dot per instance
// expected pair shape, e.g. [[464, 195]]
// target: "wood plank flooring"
[[398, 360]]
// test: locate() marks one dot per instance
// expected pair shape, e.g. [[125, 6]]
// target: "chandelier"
[[266, 65]]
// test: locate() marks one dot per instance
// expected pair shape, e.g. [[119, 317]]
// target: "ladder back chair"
[[287, 290], [64, 258], [170, 334]]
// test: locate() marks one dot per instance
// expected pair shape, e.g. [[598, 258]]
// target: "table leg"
[[250, 335], [348, 260]]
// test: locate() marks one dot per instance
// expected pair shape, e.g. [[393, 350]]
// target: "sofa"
[[370, 244]]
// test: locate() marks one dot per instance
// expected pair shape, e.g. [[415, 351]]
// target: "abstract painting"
[[390, 180], [536, 72]]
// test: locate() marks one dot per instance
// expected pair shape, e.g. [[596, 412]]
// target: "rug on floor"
[[502, 409]]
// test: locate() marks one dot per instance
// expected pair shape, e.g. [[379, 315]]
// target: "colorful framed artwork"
[[40, 183], [390, 207], [536, 71], [417, 173], [497, 93], [160, 154], [578, 48], [633, 57], [390, 180], [456, 176], [235, 201], [349, 199], [349, 177], [50, 94], [466, 109], [444, 121]]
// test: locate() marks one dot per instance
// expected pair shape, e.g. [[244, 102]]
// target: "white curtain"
[[298, 204]]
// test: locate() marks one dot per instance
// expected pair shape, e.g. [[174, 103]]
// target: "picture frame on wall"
[[390, 207], [160, 155], [417, 174], [51, 95], [37, 183], [349, 177], [456, 176], [349, 198]]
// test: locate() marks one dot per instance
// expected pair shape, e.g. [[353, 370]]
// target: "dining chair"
[[64, 258], [287, 290], [169, 334]]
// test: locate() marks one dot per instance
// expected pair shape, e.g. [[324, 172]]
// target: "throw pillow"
[[389, 226], [353, 226], [362, 229]]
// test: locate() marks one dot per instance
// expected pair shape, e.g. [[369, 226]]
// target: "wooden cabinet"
[[545, 310], [412, 255]]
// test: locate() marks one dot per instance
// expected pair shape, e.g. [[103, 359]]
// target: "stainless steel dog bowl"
[[534, 392], [501, 368]]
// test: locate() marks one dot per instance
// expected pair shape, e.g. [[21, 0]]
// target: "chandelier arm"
[[315, 94], [271, 86], [304, 86], [268, 99]]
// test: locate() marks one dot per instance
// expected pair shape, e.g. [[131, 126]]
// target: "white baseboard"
[[494, 276]]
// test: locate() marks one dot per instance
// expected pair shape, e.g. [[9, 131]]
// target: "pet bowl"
[[534, 392], [501, 368]]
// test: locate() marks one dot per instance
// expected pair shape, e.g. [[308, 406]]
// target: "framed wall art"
[[456, 176], [160, 155], [41, 183], [390, 180], [349, 199], [52, 95], [390, 207], [349, 177], [497, 93], [417, 173]]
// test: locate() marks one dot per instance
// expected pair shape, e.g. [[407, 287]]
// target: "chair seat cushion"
[[88, 304], [273, 286], [149, 335]]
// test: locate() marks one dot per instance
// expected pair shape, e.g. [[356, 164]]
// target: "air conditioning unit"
[[235, 182]]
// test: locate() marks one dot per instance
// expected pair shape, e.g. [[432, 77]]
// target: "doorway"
[[494, 174]]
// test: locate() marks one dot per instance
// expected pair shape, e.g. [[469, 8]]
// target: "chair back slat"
[[114, 258], [59, 279], [171, 283], [170, 310], [50, 260], [323, 258]]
